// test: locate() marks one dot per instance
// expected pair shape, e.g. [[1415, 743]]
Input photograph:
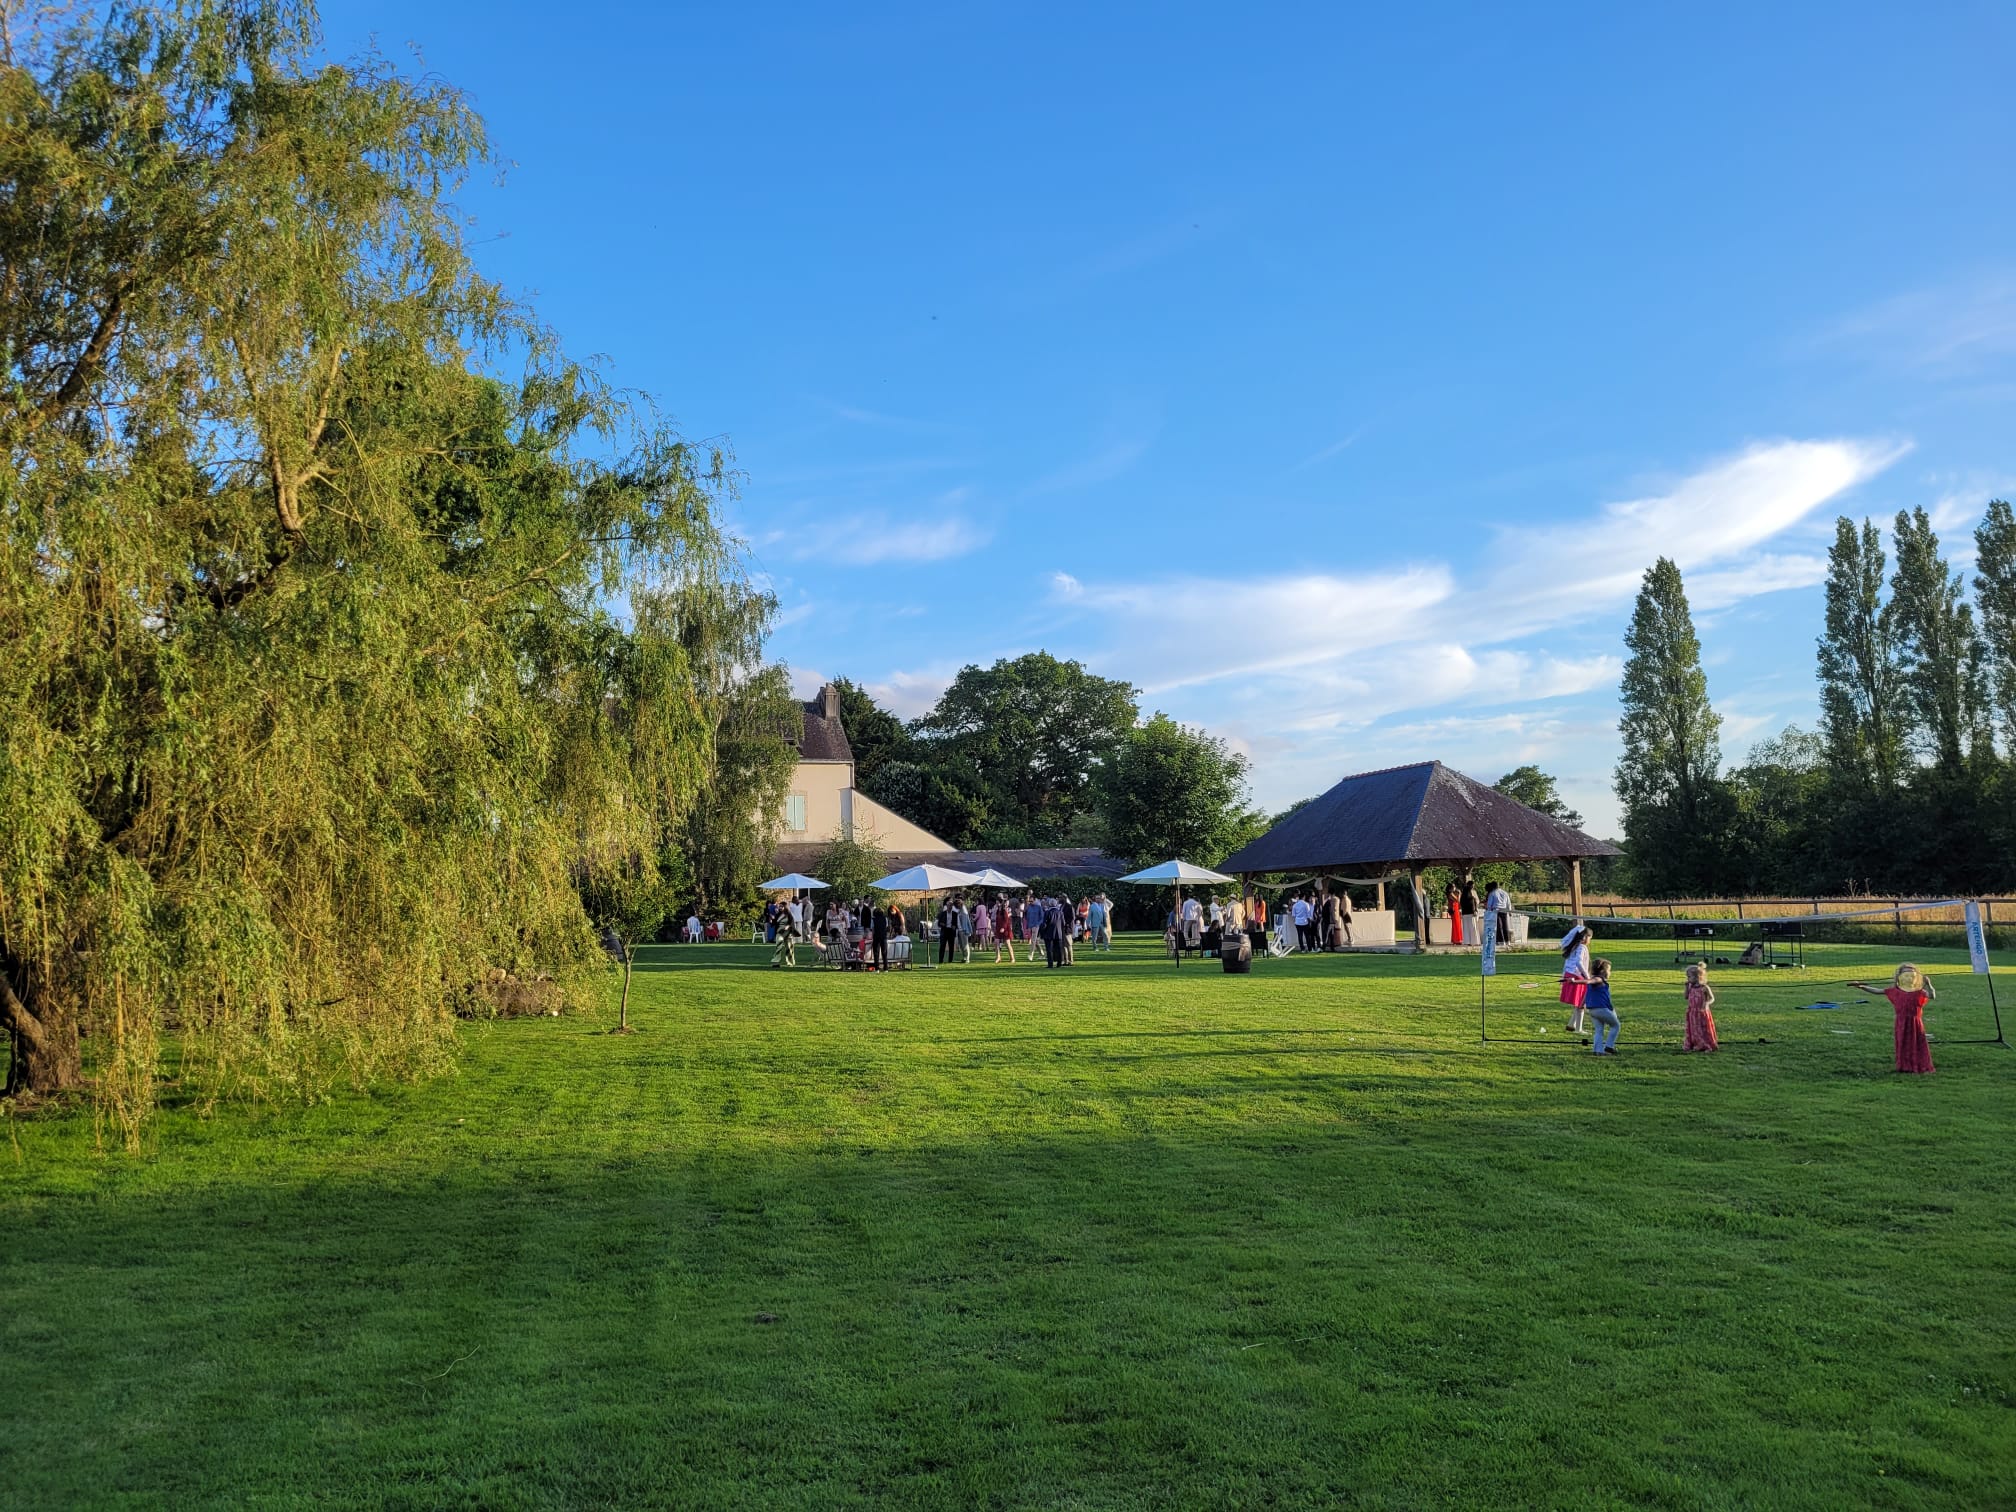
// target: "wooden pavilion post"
[[1420, 912], [1379, 895], [1575, 886]]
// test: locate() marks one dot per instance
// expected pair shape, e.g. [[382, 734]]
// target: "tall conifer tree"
[[1942, 659], [1995, 594], [1671, 734], [1860, 676]]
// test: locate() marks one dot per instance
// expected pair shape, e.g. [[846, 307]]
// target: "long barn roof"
[[1414, 815], [1072, 862]]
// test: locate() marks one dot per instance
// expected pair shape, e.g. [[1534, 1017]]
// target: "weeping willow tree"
[[313, 707]]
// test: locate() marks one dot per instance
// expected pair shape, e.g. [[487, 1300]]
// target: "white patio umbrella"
[[791, 882], [1176, 872], [988, 877], [925, 879]]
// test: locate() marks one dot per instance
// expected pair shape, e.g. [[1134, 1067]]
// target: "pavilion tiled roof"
[[1416, 815]]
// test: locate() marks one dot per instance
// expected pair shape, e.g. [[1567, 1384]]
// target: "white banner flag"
[[1977, 939], [1490, 956]]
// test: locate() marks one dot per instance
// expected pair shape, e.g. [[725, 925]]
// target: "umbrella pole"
[[1176, 928]]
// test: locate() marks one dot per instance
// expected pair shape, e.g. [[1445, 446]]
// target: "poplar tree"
[[1861, 677], [1995, 594], [1940, 648], [1672, 753]]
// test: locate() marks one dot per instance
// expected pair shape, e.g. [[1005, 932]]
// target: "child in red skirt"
[[1909, 991], [1575, 974], [1700, 1009]]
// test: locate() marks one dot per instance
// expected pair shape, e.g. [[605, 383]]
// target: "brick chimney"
[[829, 701]]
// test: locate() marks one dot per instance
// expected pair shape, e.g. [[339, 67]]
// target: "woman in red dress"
[[1909, 992], [1455, 902]]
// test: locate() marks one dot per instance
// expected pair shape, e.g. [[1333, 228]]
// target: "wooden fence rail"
[[1652, 910]]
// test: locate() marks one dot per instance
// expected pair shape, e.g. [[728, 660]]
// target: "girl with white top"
[[1575, 974]]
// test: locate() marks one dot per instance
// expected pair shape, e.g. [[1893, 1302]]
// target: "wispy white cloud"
[[1335, 449], [911, 694], [1104, 465], [855, 414], [1767, 572], [1952, 328], [1166, 627], [1739, 728], [1712, 521], [1125, 256], [795, 614], [875, 471], [865, 541], [1720, 514], [868, 538]]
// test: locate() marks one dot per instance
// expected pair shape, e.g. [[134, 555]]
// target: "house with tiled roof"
[[823, 805]]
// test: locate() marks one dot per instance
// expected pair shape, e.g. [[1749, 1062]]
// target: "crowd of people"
[[1466, 911], [1049, 929], [1322, 919]]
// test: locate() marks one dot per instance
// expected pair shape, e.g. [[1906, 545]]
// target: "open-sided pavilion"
[[1407, 819]]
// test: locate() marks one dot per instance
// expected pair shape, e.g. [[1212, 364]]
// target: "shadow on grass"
[[1294, 1314]]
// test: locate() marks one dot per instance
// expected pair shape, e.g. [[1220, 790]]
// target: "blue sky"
[[1331, 372]]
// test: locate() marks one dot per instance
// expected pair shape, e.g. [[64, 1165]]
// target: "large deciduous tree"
[[1169, 791], [1033, 733], [312, 710], [1666, 777], [1537, 790]]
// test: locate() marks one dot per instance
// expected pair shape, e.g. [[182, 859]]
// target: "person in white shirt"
[[693, 929], [1500, 901], [1193, 922], [1300, 912], [1217, 914]]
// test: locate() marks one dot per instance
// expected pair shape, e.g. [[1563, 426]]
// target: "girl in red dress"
[[1575, 973], [1909, 991], [1700, 1009]]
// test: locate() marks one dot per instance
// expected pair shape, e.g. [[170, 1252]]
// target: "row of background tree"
[[1040, 752], [1035, 751], [1908, 786]]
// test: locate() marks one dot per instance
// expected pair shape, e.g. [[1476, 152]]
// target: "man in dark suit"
[[878, 940]]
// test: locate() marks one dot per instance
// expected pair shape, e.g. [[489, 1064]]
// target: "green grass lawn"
[[1124, 1236]]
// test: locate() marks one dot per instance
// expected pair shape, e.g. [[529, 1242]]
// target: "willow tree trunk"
[[46, 1054]]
